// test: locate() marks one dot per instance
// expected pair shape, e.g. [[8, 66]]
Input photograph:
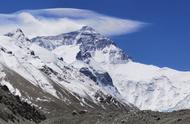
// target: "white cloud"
[[56, 21]]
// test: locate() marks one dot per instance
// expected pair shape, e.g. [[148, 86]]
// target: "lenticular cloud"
[[61, 20]]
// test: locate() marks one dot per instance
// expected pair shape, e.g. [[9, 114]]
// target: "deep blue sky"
[[165, 42]]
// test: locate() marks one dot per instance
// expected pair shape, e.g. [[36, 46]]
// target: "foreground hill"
[[14, 110], [117, 117]]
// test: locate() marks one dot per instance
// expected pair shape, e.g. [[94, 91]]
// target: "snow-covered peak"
[[19, 37], [87, 29], [17, 34], [90, 44]]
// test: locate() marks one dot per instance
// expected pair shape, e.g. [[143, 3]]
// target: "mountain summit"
[[88, 29], [83, 44], [19, 37]]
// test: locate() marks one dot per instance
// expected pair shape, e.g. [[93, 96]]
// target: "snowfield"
[[150, 87]]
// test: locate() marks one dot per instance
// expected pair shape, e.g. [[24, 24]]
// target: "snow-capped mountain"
[[82, 45], [43, 79], [145, 86]]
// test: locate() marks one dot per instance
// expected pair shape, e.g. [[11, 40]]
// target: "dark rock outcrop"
[[14, 108], [99, 77]]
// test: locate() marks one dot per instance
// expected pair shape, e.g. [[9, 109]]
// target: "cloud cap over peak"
[[45, 22]]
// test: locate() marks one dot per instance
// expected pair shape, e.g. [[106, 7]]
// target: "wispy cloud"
[[60, 20]]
